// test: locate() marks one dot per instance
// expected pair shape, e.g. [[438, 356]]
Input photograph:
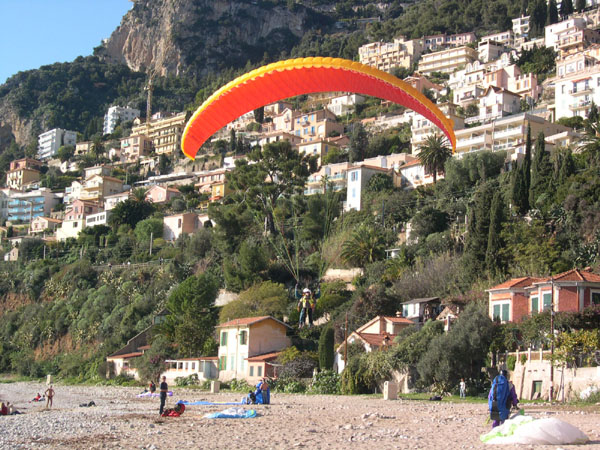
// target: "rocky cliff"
[[203, 36]]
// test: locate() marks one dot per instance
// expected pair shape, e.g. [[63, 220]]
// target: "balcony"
[[584, 91], [508, 132], [580, 105]]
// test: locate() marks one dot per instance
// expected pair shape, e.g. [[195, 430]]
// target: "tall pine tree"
[[566, 8], [522, 180], [494, 243], [541, 171], [552, 16]]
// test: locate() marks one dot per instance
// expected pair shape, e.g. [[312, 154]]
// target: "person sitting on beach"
[[152, 387], [49, 396], [37, 398]]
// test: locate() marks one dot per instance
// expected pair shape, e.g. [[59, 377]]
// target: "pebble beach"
[[121, 420]]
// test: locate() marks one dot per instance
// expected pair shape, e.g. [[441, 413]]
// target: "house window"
[[193, 366], [259, 371], [595, 298], [547, 301], [243, 337], [231, 362], [242, 365], [251, 371], [501, 312], [224, 338], [353, 176], [535, 302], [223, 363]]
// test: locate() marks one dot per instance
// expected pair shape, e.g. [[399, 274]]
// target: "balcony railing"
[[584, 91], [579, 105]]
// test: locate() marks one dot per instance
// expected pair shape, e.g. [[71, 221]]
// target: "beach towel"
[[529, 431], [153, 395], [203, 402], [232, 413]]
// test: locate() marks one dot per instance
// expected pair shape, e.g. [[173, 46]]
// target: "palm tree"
[[364, 246], [434, 153], [590, 145]]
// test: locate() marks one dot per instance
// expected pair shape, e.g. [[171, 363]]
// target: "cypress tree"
[[326, 348], [567, 166], [566, 8], [552, 16], [520, 195], [494, 243], [541, 170]]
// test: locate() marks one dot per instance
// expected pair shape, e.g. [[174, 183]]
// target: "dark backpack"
[[498, 399]]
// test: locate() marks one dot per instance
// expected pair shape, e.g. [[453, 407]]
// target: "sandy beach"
[[121, 420]]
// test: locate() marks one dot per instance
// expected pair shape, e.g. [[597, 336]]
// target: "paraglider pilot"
[[307, 302]]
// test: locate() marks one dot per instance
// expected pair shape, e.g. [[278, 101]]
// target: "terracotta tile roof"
[[416, 162], [265, 357], [574, 275], [375, 339], [128, 355], [399, 320], [515, 283], [144, 347], [244, 321]]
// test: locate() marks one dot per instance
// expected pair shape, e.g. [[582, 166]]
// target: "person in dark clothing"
[[152, 387], [164, 387]]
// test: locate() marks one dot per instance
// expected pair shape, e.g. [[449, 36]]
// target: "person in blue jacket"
[[501, 398]]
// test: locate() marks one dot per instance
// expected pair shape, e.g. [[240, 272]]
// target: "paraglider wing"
[[284, 79]]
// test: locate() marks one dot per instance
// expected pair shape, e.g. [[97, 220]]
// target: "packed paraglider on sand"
[[120, 418]]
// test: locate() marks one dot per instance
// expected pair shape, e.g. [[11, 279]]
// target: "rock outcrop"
[[203, 36]]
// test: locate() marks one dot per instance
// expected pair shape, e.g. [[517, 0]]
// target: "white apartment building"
[[490, 50], [345, 104], [447, 61], [422, 128], [100, 218], [496, 103], [116, 114], [505, 37], [357, 178], [50, 141], [508, 133], [552, 32], [520, 27], [440, 41], [387, 55], [575, 91]]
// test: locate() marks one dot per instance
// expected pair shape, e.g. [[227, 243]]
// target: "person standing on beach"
[[164, 387], [463, 388], [49, 395]]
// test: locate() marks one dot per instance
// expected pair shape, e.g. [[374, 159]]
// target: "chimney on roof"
[[398, 313]]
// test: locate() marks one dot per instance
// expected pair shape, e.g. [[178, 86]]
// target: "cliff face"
[[203, 36]]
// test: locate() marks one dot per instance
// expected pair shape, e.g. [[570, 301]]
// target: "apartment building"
[[333, 174], [421, 127], [318, 148], [574, 40], [508, 133], [345, 104], [505, 37], [184, 223], [44, 225], [447, 61], [116, 114], [357, 178], [520, 27], [25, 206], [512, 79], [97, 187], [276, 136], [552, 32], [22, 173], [490, 50], [496, 103], [316, 125], [135, 147], [387, 55], [574, 92], [50, 141], [443, 41], [164, 131], [83, 148]]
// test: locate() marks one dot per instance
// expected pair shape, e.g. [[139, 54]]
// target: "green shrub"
[[523, 359], [325, 382], [288, 385], [511, 361], [187, 381], [239, 386]]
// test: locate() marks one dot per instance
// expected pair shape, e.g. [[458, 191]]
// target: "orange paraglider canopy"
[[284, 79]]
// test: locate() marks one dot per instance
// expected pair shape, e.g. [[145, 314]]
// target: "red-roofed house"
[[514, 299], [247, 345], [161, 194], [376, 333]]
